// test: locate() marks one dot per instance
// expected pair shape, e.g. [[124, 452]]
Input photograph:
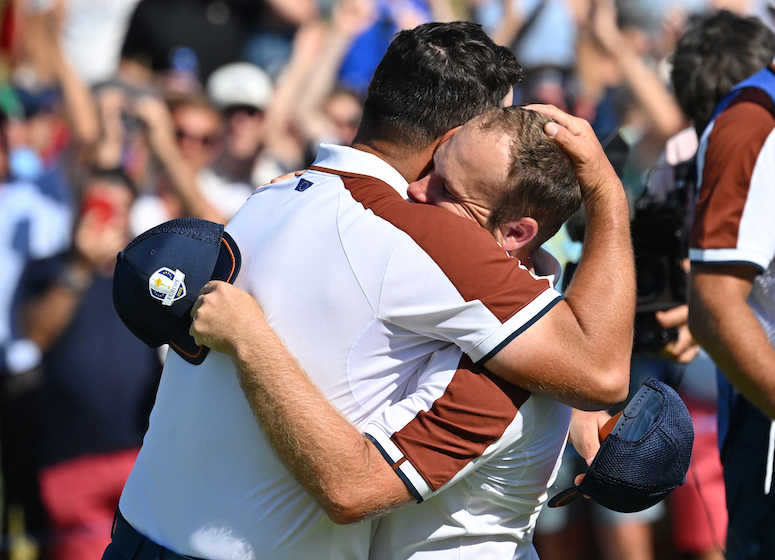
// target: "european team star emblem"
[[303, 185], [167, 286]]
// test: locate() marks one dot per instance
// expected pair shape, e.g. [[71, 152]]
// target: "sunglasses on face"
[[182, 135], [247, 109]]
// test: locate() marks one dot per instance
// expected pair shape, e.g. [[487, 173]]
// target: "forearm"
[[444, 10], [510, 25], [651, 92], [337, 465], [586, 364], [724, 325], [80, 105], [602, 291], [331, 459], [46, 317], [294, 12], [320, 83], [183, 181]]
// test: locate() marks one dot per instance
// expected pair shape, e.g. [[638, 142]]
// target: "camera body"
[[659, 226], [659, 236]]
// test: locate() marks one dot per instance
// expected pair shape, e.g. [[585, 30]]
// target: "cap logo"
[[167, 286]]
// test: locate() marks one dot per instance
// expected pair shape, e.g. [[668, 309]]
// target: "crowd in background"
[[119, 115]]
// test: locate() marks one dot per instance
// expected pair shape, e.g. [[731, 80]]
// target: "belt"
[[134, 546]]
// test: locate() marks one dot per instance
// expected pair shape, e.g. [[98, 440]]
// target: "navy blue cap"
[[644, 453], [159, 275]]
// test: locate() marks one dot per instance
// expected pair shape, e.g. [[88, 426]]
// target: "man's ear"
[[515, 235], [447, 135]]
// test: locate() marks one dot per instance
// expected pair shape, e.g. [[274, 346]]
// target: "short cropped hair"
[[113, 176], [717, 51], [433, 78], [541, 181]]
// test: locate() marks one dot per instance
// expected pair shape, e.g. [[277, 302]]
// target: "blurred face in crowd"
[[107, 204], [345, 111], [244, 134], [197, 130], [103, 227]]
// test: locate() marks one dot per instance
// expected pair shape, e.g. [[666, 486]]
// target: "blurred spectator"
[[197, 129], [139, 138], [50, 128], [99, 380], [186, 140], [388, 17], [214, 30], [32, 226], [244, 93], [542, 33], [272, 27]]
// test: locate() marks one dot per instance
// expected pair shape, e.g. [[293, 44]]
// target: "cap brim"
[[566, 497], [226, 269], [185, 347]]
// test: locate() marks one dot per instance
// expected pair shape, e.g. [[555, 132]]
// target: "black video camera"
[[659, 227], [659, 235]]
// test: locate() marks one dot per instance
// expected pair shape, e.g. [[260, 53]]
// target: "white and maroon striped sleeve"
[[734, 222]]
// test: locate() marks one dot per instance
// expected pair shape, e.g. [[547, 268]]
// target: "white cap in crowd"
[[240, 83]]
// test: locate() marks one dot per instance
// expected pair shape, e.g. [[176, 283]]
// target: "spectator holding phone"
[[99, 380]]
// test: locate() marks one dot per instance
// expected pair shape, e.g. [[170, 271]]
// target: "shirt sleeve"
[[463, 287], [454, 420], [733, 222]]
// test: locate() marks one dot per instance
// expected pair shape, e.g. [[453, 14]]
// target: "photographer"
[[665, 348]]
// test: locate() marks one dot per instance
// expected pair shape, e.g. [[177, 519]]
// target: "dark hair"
[[541, 182], [717, 51], [112, 175], [193, 101], [433, 78]]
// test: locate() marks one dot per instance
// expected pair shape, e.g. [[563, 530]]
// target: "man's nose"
[[418, 191]]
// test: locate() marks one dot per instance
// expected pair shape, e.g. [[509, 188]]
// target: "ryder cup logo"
[[167, 286]]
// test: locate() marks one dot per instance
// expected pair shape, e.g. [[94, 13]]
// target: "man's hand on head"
[[225, 318], [575, 135]]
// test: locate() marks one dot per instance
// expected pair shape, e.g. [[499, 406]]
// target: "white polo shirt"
[[488, 509], [363, 287]]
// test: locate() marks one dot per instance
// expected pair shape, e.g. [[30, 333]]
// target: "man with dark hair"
[[732, 252], [717, 51], [441, 65], [364, 287]]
